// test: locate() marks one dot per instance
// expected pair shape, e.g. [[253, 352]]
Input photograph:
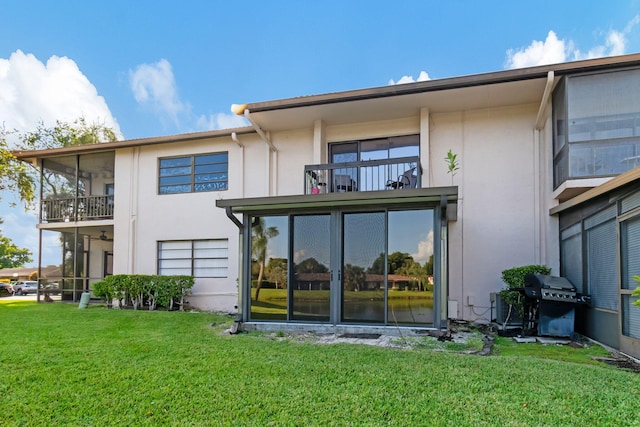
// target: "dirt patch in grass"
[[463, 338], [621, 361]]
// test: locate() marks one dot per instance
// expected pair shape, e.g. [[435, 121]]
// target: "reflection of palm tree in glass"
[[354, 278], [259, 241]]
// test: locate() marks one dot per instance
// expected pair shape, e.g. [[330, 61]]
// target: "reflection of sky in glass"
[[364, 238], [311, 238], [409, 231], [412, 232], [277, 246]]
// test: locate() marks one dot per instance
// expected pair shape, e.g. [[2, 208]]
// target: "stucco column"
[[319, 142], [425, 148]]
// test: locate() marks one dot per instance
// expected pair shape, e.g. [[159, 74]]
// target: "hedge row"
[[141, 290]]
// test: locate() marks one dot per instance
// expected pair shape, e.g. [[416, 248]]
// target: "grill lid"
[[542, 281]]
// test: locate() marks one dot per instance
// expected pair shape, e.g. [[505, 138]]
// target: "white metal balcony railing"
[[371, 175], [82, 208]]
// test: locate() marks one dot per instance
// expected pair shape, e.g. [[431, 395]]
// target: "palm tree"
[[259, 240]]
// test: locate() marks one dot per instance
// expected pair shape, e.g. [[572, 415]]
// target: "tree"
[[415, 272], [64, 134], [354, 277], [395, 261], [428, 266], [276, 272], [259, 241], [310, 265], [16, 177], [11, 256]]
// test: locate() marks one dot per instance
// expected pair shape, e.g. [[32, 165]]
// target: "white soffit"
[[401, 106]]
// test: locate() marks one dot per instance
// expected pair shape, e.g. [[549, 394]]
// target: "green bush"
[[636, 292], [514, 279], [139, 290]]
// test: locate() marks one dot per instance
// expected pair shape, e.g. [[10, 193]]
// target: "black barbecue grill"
[[549, 305]]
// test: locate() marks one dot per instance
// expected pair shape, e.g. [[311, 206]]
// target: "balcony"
[[370, 175], [86, 208]]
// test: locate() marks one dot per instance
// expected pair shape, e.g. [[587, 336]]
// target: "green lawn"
[[94, 367]]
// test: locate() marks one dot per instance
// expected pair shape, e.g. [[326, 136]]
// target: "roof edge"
[[503, 76], [139, 142], [613, 184]]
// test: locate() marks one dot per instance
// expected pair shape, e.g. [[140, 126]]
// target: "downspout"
[[236, 327], [538, 196]]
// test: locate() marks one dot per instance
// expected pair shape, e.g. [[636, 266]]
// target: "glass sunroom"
[[371, 259]]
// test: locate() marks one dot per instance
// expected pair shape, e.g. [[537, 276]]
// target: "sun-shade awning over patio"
[[444, 196]]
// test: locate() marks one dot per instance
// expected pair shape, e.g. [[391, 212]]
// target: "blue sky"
[[150, 68]]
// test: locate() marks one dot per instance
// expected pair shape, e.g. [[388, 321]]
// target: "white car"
[[24, 287]]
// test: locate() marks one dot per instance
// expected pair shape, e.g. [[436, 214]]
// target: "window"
[[197, 258], [375, 149], [596, 122], [601, 258], [372, 164], [194, 174]]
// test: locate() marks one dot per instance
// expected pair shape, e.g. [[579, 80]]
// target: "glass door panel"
[[410, 267], [311, 281], [363, 287], [269, 263]]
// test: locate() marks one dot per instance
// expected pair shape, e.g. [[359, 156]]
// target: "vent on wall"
[[501, 310]]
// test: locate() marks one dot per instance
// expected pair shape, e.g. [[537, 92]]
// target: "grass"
[[95, 367]]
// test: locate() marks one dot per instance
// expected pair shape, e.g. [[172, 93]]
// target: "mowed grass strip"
[[65, 366]]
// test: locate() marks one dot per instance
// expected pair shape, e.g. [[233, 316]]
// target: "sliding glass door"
[[345, 267], [311, 279]]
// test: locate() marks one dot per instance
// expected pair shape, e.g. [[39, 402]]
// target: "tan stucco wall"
[[501, 222]]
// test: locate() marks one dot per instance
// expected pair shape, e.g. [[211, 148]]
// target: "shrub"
[[514, 279], [105, 289], [140, 290], [636, 292]]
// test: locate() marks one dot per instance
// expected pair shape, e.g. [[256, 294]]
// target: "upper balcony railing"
[[370, 175], [82, 208]]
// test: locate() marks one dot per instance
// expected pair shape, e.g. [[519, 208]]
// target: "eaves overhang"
[[519, 74], [498, 89], [418, 197], [29, 155]]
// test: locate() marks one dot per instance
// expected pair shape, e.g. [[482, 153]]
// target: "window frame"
[[194, 174], [570, 150], [193, 258]]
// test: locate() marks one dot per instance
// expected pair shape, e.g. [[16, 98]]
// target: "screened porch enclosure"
[[82, 256], [77, 188]]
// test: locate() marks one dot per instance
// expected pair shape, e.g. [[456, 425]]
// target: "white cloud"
[[425, 249], [31, 91], [154, 86], [551, 51], [298, 256], [555, 50], [423, 76], [220, 121]]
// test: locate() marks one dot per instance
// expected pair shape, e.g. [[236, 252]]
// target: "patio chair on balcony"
[[344, 183], [406, 180]]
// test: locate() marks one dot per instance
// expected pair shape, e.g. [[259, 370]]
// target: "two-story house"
[[337, 210]]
